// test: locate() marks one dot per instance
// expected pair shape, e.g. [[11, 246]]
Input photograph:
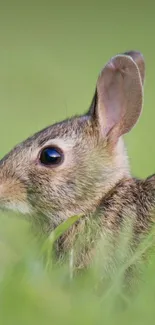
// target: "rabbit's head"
[[67, 168]]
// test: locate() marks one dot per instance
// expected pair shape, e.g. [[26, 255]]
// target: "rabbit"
[[80, 166]]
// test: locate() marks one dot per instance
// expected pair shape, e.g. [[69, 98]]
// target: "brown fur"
[[94, 178]]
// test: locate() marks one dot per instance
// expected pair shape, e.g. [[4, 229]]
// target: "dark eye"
[[51, 156]]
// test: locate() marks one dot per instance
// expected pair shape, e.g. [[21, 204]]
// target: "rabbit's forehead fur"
[[67, 134]]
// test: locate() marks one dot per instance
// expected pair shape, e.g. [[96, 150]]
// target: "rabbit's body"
[[128, 208], [80, 166]]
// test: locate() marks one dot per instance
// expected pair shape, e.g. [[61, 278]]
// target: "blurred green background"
[[50, 55]]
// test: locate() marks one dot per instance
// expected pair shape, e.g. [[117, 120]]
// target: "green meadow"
[[51, 53]]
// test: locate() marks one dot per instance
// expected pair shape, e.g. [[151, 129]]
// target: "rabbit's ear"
[[118, 99], [139, 60]]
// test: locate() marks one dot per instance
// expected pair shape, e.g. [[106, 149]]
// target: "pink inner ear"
[[119, 93], [111, 97]]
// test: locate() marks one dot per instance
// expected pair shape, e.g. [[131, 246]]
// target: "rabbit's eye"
[[51, 156]]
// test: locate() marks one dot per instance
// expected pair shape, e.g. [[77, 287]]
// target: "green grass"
[[31, 293]]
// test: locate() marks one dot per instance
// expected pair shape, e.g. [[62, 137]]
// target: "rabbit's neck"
[[131, 203]]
